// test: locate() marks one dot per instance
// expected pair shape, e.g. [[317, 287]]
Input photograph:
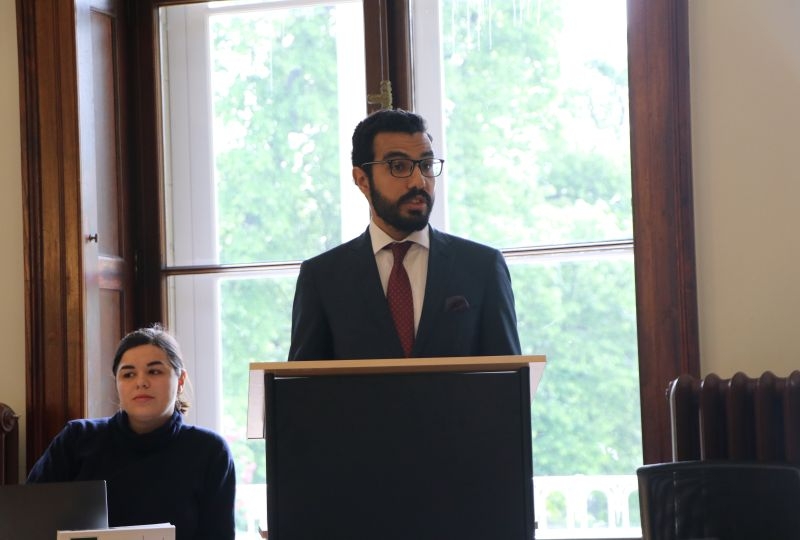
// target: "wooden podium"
[[420, 448]]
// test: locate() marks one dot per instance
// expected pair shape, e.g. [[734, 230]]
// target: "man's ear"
[[361, 180]]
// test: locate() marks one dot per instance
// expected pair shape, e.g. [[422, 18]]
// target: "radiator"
[[741, 418], [9, 445]]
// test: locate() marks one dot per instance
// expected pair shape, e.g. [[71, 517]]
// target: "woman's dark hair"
[[157, 336], [383, 121]]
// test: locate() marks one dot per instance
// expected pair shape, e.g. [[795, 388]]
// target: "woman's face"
[[148, 387]]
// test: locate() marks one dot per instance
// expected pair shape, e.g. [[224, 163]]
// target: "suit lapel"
[[366, 286], [366, 283], [440, 259]]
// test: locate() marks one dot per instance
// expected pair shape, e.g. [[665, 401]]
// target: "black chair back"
[[719, 500], [9, 445]]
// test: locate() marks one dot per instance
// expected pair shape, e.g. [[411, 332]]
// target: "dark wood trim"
[[376, 48], [146, 162], [52, 219], [401, 71], [663, 211], [387, 51]]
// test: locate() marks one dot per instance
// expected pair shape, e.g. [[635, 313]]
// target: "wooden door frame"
[[54, 310], [53, 236], [663, 210]]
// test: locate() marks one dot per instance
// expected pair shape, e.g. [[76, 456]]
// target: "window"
[[258, 96], [532, 110], [255, 172], [535, 134]]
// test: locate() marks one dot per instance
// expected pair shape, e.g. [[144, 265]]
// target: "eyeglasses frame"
[[415, 163]]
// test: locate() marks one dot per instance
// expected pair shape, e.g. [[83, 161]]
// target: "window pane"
[[223, 324], [258, 97], [533, 106], [256, 318], [583, 314], [276, 141], [536, 113], [265, 106]]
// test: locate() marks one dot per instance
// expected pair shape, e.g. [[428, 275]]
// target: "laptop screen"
[[37, 511]]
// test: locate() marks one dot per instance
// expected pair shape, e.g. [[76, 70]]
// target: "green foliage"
[[582, 316], [527, 145], [278, 175], [556, 507], [598, 509], [256, 315], [634, 510]]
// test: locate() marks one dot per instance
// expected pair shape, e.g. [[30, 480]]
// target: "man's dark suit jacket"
[[340, 311]]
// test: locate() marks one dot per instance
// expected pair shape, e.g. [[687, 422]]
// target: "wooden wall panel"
[[52, 219], [60, 144]]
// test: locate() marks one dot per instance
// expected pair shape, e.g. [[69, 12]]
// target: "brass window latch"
[[384, 99]]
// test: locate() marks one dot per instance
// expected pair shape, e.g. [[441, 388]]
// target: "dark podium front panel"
[[400, 456]]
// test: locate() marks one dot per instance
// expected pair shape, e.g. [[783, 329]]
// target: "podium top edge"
[[470, 363]]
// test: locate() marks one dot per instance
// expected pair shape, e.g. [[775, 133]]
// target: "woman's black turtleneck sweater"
[[179, 474]]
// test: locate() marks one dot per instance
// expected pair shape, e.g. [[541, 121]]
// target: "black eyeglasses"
[[404, 167]]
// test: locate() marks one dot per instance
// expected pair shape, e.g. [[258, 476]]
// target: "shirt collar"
[[380, 239]]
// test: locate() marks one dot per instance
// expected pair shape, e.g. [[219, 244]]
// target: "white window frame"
[[191, 234]]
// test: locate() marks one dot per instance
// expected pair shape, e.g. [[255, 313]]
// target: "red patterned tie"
[[398, 293]]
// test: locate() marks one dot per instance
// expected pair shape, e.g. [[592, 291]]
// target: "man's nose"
[[417, 179]]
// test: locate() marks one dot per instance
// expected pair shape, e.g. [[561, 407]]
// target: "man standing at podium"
[[402, 288]]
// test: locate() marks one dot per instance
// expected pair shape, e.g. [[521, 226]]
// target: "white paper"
[[155, 531]]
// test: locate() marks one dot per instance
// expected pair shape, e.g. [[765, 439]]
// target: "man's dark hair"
[[383, 121]]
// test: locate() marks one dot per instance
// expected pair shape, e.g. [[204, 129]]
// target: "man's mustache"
[[413, 194]]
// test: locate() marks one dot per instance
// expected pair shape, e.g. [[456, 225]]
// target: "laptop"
[[38, 511]]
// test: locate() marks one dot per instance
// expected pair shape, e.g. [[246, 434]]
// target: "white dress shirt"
[[415, 262]]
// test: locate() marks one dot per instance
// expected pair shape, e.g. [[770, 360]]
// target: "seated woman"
[[157, 469]]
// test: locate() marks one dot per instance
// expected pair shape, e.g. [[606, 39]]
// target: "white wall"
[[12, 307], [745, 80]]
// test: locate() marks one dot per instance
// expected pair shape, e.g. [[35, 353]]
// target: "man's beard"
[[390, 212]]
